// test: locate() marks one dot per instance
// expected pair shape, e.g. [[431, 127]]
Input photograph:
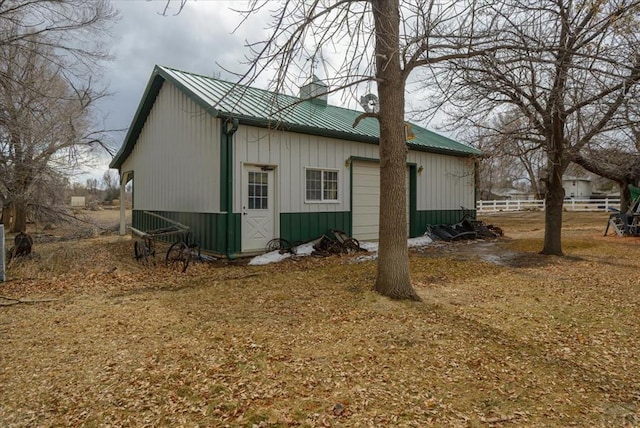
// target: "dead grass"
[[504, 337]]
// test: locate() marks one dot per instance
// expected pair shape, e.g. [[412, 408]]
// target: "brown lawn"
[[504, 337]]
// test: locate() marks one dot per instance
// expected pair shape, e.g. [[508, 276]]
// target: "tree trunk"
[[19, 223], [625, 196], [393, 278], [554, 201], [6, 215]]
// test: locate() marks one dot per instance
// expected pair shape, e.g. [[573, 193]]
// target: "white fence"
[[538, 205]]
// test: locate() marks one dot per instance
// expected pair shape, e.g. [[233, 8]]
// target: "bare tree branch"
[[567, 67], [46, 94]]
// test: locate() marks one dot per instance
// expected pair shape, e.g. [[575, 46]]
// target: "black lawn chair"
[[626, 224]]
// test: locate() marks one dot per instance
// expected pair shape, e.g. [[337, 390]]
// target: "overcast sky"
[[194, 41]]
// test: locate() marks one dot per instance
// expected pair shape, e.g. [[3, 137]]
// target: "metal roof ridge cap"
[[234, 84]]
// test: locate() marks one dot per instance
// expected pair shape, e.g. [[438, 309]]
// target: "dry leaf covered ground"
[[504, 337]]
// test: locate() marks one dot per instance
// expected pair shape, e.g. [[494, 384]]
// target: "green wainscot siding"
[[422, 219], [307, 226], [208, 229]]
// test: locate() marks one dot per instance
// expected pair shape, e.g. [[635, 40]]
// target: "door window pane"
[[257, 191]]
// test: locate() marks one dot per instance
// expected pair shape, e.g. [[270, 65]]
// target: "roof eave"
[[309, 130], [302, 129], [158, 77], [445, 151]]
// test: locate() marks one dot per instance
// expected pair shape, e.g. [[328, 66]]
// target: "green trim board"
[[376, 160], [226, 179], [413, 201], [307, 226], [433, 218], [363, 159], [208, 229]]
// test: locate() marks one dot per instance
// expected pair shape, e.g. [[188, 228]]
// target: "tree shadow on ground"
[[492, 251]]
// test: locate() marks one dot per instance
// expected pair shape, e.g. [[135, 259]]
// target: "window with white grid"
[[321, 185]]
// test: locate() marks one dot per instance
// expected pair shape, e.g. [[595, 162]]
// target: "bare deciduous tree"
[[46, 95], [375, 42], [66, 32], [510, 152], [570, 68], [616, 154], [111, 181]]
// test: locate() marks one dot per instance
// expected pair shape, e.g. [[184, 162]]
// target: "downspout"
[[123, 203], [230, 126]]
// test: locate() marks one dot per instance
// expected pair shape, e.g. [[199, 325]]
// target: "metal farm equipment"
[[180, 252]]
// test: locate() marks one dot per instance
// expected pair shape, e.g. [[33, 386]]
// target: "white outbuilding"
[[241, 166]]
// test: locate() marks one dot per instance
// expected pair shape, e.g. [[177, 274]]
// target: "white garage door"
[[366, 199]]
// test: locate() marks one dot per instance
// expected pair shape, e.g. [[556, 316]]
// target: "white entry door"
[[258, 211]]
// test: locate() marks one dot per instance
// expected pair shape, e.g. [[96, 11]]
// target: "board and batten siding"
[[291, 153], [176, 160], [445, 182]]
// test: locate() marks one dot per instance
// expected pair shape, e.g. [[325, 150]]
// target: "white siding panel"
[[176, 158], [446, 182], [365, 200], [291, 153]]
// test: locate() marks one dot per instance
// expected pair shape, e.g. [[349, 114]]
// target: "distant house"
[[241, 166], [509, 193], [577, 187]]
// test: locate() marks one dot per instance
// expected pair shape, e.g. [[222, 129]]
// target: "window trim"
[[321, 200]]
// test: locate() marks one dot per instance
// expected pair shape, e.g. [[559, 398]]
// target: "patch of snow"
[[369, 246], [304, 249], [420, 241], [367, 258], [272, 257]]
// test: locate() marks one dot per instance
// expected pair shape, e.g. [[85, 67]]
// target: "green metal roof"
[[252, 106]]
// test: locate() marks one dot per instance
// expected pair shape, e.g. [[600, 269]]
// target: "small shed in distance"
[[577, 187], [78, 202]]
